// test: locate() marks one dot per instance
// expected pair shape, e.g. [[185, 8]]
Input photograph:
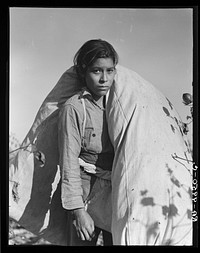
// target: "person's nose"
[[104, 77]]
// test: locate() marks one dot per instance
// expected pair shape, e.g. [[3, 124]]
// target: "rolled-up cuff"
[[70, 204]]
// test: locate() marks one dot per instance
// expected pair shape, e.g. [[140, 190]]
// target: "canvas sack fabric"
[[34, 174], [152, 170]]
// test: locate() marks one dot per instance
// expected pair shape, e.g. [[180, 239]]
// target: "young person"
[[83, 134]]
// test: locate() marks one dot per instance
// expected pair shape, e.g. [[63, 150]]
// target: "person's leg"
[[107, 238]]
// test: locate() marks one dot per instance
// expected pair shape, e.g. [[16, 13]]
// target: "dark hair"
[[89, 52]]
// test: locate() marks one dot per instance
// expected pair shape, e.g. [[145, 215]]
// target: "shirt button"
[[93, 135]]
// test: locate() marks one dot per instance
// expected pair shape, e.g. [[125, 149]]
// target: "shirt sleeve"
[[69, 141]]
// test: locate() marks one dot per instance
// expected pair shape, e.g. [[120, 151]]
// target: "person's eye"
[[96, 71], [110, 71]]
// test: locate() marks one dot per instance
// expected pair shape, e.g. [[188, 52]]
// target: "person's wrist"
[[77, 211]]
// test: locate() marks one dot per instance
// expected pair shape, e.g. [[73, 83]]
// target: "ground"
[[20, 236]]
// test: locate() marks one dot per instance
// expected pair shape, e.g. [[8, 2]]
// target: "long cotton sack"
[[34, 176], [152, 170]]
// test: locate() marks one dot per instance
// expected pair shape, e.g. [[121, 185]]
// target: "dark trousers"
[[107, 238]]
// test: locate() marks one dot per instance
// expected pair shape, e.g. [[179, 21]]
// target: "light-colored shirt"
[[94, 147]]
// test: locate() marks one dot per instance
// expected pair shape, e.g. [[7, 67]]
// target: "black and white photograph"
[[101, 127]]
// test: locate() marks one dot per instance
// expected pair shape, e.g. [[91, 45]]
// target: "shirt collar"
[[87, 94]]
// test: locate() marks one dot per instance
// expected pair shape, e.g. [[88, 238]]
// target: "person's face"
[[99, 77]]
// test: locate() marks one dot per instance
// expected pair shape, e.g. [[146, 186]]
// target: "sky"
[[155, 43]]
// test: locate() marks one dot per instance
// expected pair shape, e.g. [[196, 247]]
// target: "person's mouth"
[[103, 88]]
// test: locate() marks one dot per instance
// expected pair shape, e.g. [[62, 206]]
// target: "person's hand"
[[84, 224]]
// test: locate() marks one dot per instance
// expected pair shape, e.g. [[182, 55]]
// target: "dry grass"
[[20, 236]]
